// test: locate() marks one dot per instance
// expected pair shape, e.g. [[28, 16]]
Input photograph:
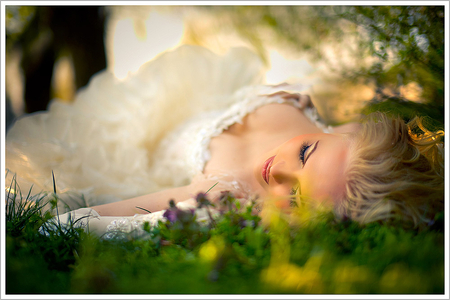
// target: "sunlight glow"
[[283, 69], [136, 41]]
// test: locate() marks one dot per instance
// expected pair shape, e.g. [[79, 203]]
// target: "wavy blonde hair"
[[396, 170]]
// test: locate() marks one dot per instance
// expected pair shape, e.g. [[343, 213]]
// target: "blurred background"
[[358, 57]]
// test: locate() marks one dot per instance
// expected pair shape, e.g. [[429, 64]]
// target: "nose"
[[282, 173]]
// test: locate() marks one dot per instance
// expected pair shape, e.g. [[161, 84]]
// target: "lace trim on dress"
[[125, 226], [252, 99], [121, 227]]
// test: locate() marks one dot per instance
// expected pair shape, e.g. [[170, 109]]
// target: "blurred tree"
[[409, 41], [395, 48], [48, 32]]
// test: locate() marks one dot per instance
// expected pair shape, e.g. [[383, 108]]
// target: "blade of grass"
[[54, 190], [144, 209], [54, 182], [29, 192], [212, 187]]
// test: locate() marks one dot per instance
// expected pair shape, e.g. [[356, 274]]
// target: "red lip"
[[266, 169]]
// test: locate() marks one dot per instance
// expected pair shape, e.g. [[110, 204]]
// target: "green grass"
[[235, 255]]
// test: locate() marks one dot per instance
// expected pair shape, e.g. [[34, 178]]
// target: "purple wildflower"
[[202, 201], [170, 215]]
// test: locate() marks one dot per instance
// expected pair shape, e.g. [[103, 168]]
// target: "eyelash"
[[294, 191], [303, 149], [293, 199]]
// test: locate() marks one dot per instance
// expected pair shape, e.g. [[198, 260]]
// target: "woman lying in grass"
[[269, 143], [378, 172]]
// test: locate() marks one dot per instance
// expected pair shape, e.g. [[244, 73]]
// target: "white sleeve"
[[109, 227], [89, 220]]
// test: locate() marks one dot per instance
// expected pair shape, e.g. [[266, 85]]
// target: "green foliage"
[[388, 46], [409, 41], [22, 213], [407, 110], [231, 253]]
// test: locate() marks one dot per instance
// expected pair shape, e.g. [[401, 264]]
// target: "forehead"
[[323, 177]]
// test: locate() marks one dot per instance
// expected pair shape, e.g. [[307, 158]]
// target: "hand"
[[304, 100]]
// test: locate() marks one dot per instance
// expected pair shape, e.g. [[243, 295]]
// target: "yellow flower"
[[347, 276], [398, 278], [290, 277], [281, 274], [210, 250]]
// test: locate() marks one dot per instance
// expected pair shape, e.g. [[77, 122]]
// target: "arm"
[[97, 219], [150, 202], [157, 201]]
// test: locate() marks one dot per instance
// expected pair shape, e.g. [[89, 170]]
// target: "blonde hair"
[[396, 171]]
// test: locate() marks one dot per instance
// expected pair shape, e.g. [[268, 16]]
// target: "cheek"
[[316, 189], [324, 186], [318, 185]]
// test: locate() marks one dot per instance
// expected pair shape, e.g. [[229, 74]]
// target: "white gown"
[[151, 131]]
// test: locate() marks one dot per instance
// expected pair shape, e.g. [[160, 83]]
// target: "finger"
[[305, 101], [286, 95]]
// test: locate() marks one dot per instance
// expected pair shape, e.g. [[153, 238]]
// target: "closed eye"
[[306, 150], [294, 191], [294, 195], [303, 149]]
